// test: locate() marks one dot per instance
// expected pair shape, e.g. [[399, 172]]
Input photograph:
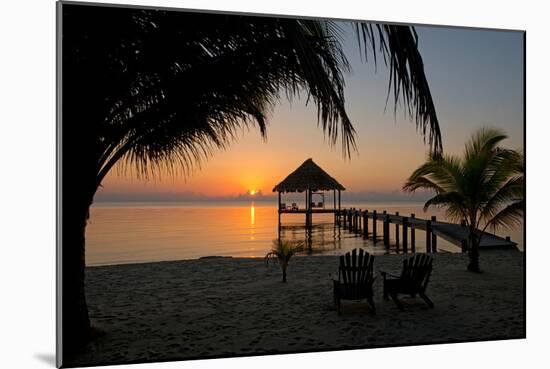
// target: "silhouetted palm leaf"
[[150, 89], [399, 48], [175, 86], [485, 187]]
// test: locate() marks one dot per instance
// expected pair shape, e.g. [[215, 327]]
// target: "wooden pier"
[[357, 221]]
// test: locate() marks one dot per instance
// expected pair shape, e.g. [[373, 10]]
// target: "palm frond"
[[508, 217], [154, 106], [247, 62], [439, 173], [407, 81], [420, 182], [483, 140]]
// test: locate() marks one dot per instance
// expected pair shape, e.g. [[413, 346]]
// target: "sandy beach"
[[216, 307]]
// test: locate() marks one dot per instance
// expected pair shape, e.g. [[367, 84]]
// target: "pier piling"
[[413, 236], [434, 237], [397, 234], [386, 230], [405, 235], [366, 224], [374, 226], [428, 236]]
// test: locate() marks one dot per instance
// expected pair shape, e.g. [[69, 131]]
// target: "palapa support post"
[[334, 207], [374, 226], [309, 218], [339, 201], [279, 214], [307, 207], [359, 222], [279, 211], [311, 209], [434, 236], [351, 219], [428, 236], [397, 233], [413, 236], [405, 235]]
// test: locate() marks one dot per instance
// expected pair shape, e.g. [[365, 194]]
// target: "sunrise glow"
[[252, 166]]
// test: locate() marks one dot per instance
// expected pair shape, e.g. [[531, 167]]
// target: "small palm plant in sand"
[[282, 251]]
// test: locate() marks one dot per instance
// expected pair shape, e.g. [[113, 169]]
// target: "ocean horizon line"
[[263, 201]]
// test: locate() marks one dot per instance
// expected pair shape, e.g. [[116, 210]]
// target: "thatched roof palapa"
[[308, 176]]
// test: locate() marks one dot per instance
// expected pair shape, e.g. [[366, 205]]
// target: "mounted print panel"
[[238, 184]]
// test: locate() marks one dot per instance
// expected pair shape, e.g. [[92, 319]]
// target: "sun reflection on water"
[[252, 221]]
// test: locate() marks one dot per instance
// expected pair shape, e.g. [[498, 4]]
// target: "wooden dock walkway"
[[357, 221]]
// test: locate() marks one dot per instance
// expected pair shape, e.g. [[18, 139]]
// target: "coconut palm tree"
[[147, 90], [485, 187], [282, 251]]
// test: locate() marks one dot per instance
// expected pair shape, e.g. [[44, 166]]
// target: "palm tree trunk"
[[78, 189], [284, 275], [75, 319], [473, 251], [82, 109]]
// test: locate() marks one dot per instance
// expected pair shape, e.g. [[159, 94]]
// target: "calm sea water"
[[122, 233]]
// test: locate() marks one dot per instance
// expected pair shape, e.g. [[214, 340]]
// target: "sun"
[[252, 192]]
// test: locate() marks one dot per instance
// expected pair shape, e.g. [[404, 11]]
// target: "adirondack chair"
[[355, 278], [413, 279]]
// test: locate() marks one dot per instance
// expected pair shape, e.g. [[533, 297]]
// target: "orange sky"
[[476, 79]]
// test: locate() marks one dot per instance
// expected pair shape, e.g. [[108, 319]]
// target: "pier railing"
[[357, 221]]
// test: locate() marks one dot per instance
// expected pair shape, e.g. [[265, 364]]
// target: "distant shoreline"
[[225, 203]]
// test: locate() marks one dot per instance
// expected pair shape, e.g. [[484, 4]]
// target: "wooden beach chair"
[[413, 279], [355, 279]]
